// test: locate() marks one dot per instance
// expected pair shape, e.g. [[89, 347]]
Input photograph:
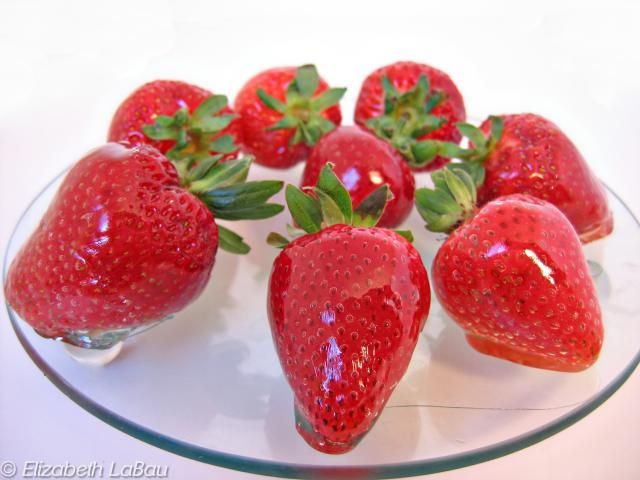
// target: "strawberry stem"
[[223, 188], [302, 110], [329, 203], [193, 133], [451, 202], [482, 145], [407, 117]]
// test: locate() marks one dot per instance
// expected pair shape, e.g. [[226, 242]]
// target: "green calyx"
[[329, 203], [482, 145], [197, 156], [475, 155], [223, 188], [407, 117], [193, 133], [302, 109], [453, 199]]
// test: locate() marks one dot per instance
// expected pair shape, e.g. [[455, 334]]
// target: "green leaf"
[[294, 232], [474, 169], [473, 133], [242, 196], [449, 203], [231, 241], [292, 96], [388, 88], [327, 99], [158, 132], [330, 184], [497, 127], [181, 117], [331, 213], [276, 240], [296, 138], [223, 144], [307, 80], [203, 167], [271, 102], [459, 188], [213, 124], [391, 95], [437, 178], [285, 123], [208, 108], [470, 185], [223, 175], [258, 212], [324, 125], [418, 94], [433, 101], [429, 124], [306, 134], [243, 201], [451, 150], [182, 139], [424, 152], [436, 222], [368, 213], [439, 201], [165, 121], [305, 210], [407, 234]]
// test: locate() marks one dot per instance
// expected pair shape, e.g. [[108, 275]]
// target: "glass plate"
[[207, 384]]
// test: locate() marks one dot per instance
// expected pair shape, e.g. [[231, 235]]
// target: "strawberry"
[[178, 119], [513, 276], [127, 241], [405, 103], [284, 112], [363, 162], [346, 303], [526, 153]]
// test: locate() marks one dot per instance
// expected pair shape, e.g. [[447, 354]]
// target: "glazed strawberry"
[[126, 242], [346, 303], [178, 119], [513, 276], [526, 153], [406, 103], [363, 162], [284, 112]]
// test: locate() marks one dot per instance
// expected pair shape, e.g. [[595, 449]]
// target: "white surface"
[[66, 68]]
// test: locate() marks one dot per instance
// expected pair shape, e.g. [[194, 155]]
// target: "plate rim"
[[294, 470]]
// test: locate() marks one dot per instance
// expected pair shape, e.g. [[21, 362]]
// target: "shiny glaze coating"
[[363, 162], [535, 157], [271, 148], [160, 97], [346, 306], [121, 245], [404, 76], [515, 279]]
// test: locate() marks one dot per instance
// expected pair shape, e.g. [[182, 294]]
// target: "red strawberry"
[[527, 153], [407, 102], [513, 276], [126, 241], [284, 112], [346, 303], [178, 119], [363, 162]]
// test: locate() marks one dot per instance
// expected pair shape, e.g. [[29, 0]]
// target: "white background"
[[65, 66]]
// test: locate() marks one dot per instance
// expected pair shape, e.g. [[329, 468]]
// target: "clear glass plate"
[[207, 384]]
